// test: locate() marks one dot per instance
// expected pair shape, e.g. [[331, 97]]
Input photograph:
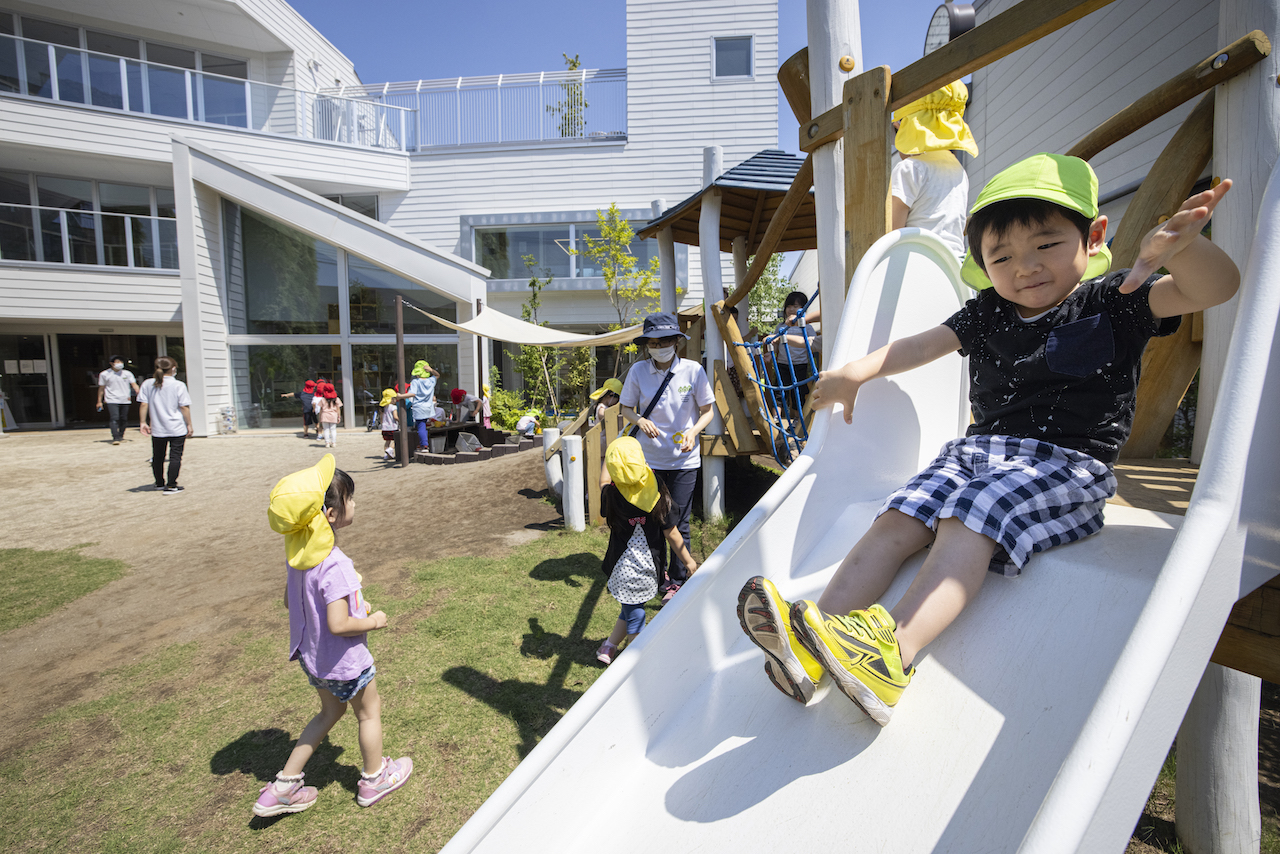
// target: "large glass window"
[[374, 368], [72, 196], [263, 374], [641, 250], [120, 234], [290, 280], [17, 234], [502, 250], [373, 309]]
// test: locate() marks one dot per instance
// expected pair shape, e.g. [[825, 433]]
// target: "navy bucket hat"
[[660, 325]]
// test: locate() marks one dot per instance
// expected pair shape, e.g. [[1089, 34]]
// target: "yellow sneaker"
[[860, 652], [789, 666]]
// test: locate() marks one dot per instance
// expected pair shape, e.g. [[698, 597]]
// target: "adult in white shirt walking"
[[116, 388], [669, 400], [166, 418]]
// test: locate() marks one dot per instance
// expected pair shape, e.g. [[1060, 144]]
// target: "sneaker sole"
[[368, 802], [761, 616], [852, 687], [280, 809]]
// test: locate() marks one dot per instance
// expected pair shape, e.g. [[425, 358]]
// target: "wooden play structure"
[[1050, 755]]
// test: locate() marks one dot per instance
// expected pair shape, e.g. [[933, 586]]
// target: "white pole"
[[552, 465], [834, 31], [740, 273], [575, 516], [667, 297], [712, 292], [1217, 782], [1246, 143]]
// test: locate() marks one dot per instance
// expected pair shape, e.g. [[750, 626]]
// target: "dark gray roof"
[[750, 192]]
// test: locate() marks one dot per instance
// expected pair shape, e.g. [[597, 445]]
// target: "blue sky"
[[395, 40]]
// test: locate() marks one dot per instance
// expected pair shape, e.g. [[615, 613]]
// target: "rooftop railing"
[[66, 236], [70, 75], [586, 105]]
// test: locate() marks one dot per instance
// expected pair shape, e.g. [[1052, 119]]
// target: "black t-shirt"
[[1069, 377], [623, 516]]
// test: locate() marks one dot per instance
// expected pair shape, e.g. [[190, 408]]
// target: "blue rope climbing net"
[[784, 385]]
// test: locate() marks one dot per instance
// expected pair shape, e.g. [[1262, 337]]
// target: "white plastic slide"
[[1037, 722]]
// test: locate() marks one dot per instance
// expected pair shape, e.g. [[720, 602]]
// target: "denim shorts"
[[344, 690]]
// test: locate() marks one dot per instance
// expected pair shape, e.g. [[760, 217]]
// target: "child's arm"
[[841, 385], [1200, 274], [681, 550], [342, 624], [898, 216]]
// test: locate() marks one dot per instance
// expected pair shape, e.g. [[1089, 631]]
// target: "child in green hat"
[[1054, 344]]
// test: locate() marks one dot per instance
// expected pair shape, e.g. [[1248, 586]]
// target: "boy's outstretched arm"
[[841, 384], [1200, 274]]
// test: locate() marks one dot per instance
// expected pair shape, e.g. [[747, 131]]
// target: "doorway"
[[82, 357], [24, 380]]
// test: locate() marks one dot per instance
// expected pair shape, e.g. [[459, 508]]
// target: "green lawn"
[[40, 582]]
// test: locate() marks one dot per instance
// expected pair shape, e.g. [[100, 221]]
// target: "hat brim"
[[311, 540], [661, 332], [975, 278]]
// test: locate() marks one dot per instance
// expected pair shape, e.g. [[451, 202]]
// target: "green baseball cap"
[[1066, 181]]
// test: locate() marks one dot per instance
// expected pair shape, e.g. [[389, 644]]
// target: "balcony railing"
[[70, 75], [63, 236], [553, 106]]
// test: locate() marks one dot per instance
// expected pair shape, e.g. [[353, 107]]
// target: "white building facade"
[[213, 181]]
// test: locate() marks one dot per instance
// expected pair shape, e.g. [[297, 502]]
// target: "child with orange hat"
[[929, 186], [641, 516], [329, 623]]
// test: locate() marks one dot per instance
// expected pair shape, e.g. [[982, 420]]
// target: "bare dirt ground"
[[204, 563]]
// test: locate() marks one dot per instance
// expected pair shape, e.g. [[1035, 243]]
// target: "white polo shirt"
[[119, 387], [676, 412], [165, 406]]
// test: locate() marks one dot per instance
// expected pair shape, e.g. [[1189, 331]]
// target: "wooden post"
[[402, 438], [712, 292], [740, 272], [595, 459], [834, 30], [737, 425], [667, 297], [741, 361], [867, 146]]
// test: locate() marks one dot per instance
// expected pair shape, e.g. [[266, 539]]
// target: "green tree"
[[571, 110], [505, 405], [767, 295], [632, 290], [547, 371]]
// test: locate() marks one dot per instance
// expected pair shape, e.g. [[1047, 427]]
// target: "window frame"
[[751, 60]]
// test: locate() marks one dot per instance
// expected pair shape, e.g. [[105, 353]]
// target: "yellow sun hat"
[[421, 369], [297, 511], [1068, 182], [388, 395], [936, 123], [612, 384], [630, 473]]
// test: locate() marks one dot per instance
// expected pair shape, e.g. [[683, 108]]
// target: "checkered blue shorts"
[[1025, 494]]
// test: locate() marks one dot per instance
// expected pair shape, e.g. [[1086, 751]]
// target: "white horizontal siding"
[[211, 302], [307, 43], [88, 293], [98, 134], [1050, 94]]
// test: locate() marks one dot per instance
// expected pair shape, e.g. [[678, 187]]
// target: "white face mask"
[[117, 366], [662, 354]]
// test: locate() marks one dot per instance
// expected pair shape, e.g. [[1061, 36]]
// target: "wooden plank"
[[732, 336], [1170, 363], [694, 344], [868, 131], [612, 423], [595, 461], [1197, 327], [718, 446], [796, 193], [793, 77], [755, 218], [1241, 55], [1248, 652], [737, 425], [568, 431], [1007, 32]]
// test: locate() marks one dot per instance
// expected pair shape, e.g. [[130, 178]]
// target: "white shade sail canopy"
[[504, 327]]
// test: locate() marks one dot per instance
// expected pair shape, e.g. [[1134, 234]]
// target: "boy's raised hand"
[[1173, 235]]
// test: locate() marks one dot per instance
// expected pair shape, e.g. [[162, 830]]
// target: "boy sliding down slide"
[[1054, 346]]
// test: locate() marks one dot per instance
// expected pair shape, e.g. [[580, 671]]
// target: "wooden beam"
[[1240, 55], [736, 422], [755, 219], [790, 203], [718, 446], [732, 336], [995, 39], [868, 130], [1170, 363], [793, 77], [568, 431]]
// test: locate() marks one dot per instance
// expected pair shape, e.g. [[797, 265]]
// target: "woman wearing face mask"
[[669, 401], [113, 388]]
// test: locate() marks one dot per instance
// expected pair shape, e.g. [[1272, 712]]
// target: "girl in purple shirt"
[[328, 624]]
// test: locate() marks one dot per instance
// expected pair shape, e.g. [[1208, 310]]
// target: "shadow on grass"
[[1157, 832], [536, 708], [262, 752]]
